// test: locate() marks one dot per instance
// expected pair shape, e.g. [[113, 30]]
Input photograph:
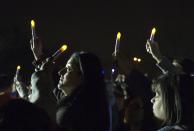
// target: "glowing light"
[[32, 23], [153, 31], [152, 34], [118, 35], [63, 48], [59, 52], [117, 44], [33, 31], [18, 67], [113, 70], [139, 59], [135, 58], [17, 72]]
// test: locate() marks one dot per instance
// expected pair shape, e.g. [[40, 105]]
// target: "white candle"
[[33, 30], [59, 52], [117, 44], [152, 34], [17, 72]]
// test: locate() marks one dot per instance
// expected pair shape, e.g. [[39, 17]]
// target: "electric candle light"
[[117, 44], [63, 48], [152, 34], [33, 28], [33, 31], [17, 71], [18, 67], [59, 52]]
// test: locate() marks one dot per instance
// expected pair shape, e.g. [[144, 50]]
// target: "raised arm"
[[42, 89], [162, 62]]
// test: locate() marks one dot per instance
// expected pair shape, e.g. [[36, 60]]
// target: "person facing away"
[[173, 102]]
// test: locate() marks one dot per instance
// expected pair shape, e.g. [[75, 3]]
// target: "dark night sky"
[[92, 26]]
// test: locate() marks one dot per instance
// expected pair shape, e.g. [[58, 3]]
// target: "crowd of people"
[[85, 101]]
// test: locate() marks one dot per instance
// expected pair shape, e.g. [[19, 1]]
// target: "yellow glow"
[[135, 58], [139, 60], [63, 48], [18, 67], [153, 31], [118, 35], [32, 23]]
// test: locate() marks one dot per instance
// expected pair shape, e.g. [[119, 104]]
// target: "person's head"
[[172, 98], [70, 76], [85, 76], [20, 115], [81, 69]]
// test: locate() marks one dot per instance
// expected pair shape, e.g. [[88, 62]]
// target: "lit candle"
[[117, 44], [17, 72], [33, 30], [59, 52], [152, 34]]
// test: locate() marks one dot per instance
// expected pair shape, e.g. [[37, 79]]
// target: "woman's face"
[[158, 109], [70, 77]]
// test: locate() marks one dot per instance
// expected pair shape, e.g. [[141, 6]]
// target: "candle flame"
[[18, 67], [118, 35], [63, 48], [32, 23], [153, 31]]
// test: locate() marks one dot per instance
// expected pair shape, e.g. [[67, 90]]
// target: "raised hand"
[[37, 48], [123, 63], [20, 87], [153, 48]]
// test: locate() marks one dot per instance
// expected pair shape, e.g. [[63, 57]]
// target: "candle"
[[152, 34], [33, 28], [59, 52], [33, 31], [17, 72], [117, 44]]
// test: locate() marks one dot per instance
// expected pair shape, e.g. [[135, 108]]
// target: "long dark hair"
[[92, 90], [177, 98], [90, 69]]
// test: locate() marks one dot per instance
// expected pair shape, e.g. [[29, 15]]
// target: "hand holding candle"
[[152, 34]]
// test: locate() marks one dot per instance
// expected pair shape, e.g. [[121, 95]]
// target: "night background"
[[92, 26]]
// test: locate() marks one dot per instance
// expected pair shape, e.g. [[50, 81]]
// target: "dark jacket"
[[81, 112]]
